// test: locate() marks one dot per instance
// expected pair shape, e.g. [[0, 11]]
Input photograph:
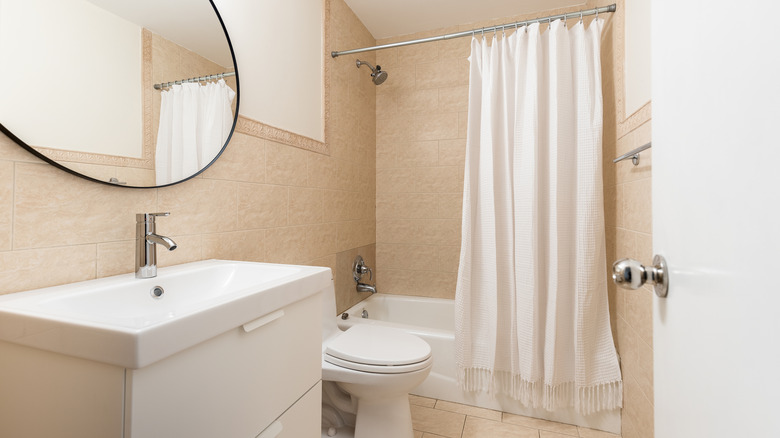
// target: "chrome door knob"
[[630, 274]]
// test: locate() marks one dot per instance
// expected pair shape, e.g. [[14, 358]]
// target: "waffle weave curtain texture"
[[532, 314]]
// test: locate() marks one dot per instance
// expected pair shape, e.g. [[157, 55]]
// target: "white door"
[[716, 217]]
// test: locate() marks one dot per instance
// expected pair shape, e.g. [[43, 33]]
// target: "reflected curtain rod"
[[196, 79], [551, 18]]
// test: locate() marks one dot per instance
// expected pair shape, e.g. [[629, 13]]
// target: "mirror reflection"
[[100, 86]]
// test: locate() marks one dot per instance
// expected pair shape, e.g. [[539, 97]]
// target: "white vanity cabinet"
[[258, 379]]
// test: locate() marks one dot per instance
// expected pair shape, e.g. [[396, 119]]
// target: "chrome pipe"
[[580, 14]]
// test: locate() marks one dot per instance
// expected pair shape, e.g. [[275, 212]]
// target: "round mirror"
[[140, 93]]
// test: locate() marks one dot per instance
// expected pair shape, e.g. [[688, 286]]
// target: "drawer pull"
[[263, 320], [271, 431]]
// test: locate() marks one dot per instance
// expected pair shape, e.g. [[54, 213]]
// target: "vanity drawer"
[[302, 420], [235, 384]]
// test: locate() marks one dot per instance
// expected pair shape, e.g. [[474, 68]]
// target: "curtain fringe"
[[585, 399]]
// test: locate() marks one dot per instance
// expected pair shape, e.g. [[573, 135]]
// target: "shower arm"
[[373, 69]]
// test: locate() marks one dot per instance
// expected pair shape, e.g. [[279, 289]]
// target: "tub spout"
[[363, 287]]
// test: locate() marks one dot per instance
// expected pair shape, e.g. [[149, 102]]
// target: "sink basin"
[[132, 322]]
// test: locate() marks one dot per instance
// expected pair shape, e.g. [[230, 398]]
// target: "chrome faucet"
[[146, 241], [362, 287], [359, 269]]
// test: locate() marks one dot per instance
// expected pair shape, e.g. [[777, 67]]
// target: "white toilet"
[[377, 366]]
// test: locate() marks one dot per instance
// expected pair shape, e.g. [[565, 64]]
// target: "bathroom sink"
[[132, 322]]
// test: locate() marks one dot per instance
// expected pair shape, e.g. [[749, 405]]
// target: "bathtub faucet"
[[362, 287], [359, 269]]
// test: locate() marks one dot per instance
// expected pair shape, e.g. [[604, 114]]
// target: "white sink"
[[117, 320]]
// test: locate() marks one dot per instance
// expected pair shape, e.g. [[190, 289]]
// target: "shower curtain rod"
[[196, 79], [594, 11]]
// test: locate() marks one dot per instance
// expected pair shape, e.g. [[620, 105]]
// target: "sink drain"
[[157, 292]]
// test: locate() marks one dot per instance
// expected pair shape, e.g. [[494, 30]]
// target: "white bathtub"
[[433, 319]]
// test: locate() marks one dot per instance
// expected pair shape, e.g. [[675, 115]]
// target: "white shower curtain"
[[532, 317], [195, 121]]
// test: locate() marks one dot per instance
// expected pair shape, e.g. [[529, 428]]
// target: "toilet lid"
[[379, 369], [372, 344]]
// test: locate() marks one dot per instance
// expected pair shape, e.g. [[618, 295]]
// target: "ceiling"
[[193, 25], [390, 18]]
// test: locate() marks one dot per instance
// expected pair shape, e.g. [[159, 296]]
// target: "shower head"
[[377, 75]]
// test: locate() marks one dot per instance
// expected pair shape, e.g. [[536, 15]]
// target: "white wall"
[[54, 104], [637, 60], [278, 46]]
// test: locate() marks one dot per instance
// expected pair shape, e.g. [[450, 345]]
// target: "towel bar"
[[634, 155]]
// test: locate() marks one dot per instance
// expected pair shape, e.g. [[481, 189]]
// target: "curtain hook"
[[581, 15], [597, 13]]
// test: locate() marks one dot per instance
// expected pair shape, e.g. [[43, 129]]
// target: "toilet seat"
[[376, 349], [378, 369]]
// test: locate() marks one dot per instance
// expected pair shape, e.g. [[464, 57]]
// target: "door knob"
[[630, 274]]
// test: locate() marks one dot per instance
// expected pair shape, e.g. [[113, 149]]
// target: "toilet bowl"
[[377, 366]]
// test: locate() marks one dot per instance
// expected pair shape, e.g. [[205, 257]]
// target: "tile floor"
[[442, 419]]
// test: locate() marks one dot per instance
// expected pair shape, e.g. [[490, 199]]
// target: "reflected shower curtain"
[[195, 121], [532, 317]]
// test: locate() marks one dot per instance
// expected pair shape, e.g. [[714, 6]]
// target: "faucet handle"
[[359, 269], [149, 217]]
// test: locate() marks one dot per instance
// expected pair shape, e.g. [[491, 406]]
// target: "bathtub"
[[433, 319]]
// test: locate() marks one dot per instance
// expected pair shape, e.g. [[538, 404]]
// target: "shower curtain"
[[532, 317], [195, 120]]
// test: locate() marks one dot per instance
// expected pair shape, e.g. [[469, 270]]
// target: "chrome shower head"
[[377, 75]]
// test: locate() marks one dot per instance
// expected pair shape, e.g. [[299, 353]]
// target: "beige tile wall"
[[627, 194], [421, 141], [261, 201]]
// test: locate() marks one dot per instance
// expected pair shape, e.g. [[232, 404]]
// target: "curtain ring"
[[597, 13], [581, 15]]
